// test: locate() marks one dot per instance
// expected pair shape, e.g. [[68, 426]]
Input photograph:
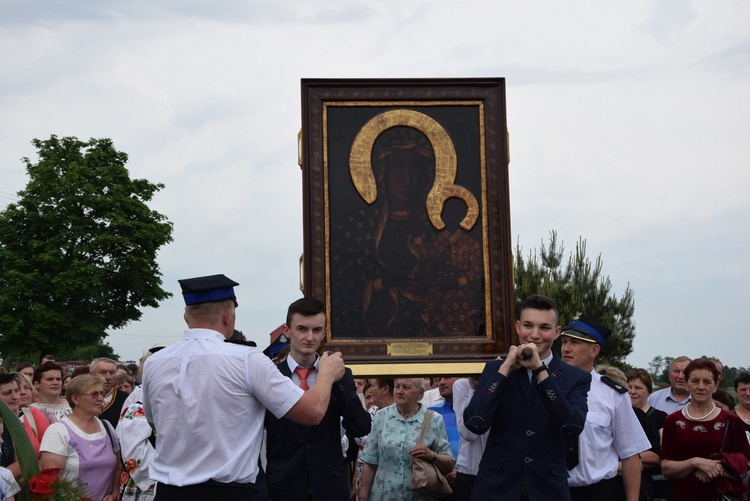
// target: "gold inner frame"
[[484, 212]]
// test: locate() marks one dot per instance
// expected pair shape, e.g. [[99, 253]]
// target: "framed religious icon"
[[407, 221]]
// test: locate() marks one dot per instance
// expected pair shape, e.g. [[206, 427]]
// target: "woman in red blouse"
[[693, 438]]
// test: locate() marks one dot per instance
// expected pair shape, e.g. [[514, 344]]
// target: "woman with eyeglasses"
[[84, 446]]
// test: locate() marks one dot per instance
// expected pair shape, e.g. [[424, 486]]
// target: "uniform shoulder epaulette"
[[241, 342], [614, 385]]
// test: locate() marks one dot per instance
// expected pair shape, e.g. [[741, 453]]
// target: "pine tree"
[[578, 286]]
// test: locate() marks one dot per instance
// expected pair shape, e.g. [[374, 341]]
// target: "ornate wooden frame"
[[464, 123]]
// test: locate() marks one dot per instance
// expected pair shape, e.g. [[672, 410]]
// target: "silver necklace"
[[687, 412], [88, 435]]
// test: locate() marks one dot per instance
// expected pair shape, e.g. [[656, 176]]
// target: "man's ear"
[[596, 349], [226, 316]]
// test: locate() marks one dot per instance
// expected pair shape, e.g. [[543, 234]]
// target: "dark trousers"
[[462, 487], [206, 490], [606, 490]]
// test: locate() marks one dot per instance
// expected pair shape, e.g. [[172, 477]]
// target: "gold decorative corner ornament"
[[299, 148], [302, 273]]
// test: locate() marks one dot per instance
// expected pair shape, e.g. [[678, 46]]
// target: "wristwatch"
[[434, 458], [539, 369]]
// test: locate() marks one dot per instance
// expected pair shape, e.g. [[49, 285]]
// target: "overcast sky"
[[629, 126]]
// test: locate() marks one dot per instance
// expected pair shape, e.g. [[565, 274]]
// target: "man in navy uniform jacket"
[[532, 403]]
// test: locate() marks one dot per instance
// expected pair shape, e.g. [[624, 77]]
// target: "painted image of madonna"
[[393, 274]]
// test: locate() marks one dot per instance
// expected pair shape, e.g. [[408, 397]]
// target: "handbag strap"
[[425, 425], [723, 440], [29, 415], [106, 425]]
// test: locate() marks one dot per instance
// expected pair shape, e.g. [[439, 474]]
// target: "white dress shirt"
[[612, 432], [664, 401], [471, 446], [207, 400], [432, 397], [295, 377]]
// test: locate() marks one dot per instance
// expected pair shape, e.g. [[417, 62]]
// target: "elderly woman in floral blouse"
[[392, 444], [137, 441]]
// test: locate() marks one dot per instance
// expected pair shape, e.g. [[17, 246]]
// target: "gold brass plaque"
[[411, 349], [417, 369]]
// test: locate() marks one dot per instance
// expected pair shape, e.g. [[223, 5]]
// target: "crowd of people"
[[212, 417], [70, 420]]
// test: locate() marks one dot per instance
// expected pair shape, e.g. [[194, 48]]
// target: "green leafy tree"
[[577, 286], [662, 378], [656, 367], [90, 352], [78, 251]]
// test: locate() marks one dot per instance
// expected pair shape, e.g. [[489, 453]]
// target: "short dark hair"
[[702, 364], [46, 367], [306, 307], [725, 398], [7, 378], [540, 302], [380, 382], [643, 376], [743, 377], [22, 365]]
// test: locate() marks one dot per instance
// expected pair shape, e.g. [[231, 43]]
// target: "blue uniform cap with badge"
[[208, 289], [587, 329]]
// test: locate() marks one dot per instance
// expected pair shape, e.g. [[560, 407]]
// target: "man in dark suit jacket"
[[106, 369], [307, 462], [531, 403]]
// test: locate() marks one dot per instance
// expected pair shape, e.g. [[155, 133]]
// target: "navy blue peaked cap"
[[587, 329], [207, 289]]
